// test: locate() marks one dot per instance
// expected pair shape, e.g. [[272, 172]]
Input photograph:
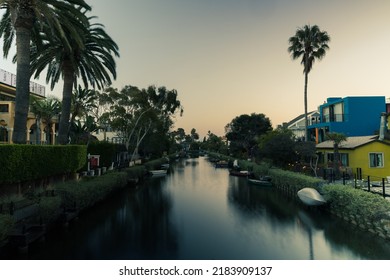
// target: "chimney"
[[382, 128]]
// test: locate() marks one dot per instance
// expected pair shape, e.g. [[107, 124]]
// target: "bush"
[[155, 164], [49, 208], [29, 162], [135, 172], [106, 150], [6, 224], [89, 191], [293, 181], [350, 201]]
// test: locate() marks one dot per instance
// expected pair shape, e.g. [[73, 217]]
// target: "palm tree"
[[337, 139], [83, 101], [93, 62], [310, 43], [20, 19], [45, 110]]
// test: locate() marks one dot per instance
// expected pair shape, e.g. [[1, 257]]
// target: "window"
[[376, 159], [343, 158], [4, 108]]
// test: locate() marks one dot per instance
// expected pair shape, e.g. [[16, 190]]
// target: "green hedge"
[[29, 162], [348, 201], [86, 192], [106, 150], [6, 224], [292, 180]]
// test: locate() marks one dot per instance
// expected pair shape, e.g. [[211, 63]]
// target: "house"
[[363, 155], [297, 125], [7, 110], [352, 116]]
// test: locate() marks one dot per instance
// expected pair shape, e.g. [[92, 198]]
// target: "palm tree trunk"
[[22, 85], [305, 104], [63, 130]]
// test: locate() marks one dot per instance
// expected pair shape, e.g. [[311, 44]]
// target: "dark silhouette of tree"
[[308, 43]]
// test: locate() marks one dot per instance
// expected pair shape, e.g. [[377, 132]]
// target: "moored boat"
[[262, 181], [239, 173], [221, 164], [160, 172], [311, 197]]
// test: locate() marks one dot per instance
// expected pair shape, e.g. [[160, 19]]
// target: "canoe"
[[161, 172], [266, 181], [239, 173], [311, 197]]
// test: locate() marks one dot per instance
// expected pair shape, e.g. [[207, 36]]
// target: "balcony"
[[333, 118]]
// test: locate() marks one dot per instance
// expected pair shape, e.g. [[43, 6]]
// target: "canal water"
[[199, 212]]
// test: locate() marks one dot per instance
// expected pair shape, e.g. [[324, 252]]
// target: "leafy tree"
[[243, 132], [23, 18], [278, 146], [194, 135], [306, 151], [309, 43], [214, 143], [91, 59], [136, 113]]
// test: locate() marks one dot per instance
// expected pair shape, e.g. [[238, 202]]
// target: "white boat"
[[262, 181], [311, 197], [160, 172]]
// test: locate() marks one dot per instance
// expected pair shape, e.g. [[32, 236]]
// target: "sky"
[[226, 58]]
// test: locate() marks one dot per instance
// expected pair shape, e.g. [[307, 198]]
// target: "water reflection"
[[200, 212]]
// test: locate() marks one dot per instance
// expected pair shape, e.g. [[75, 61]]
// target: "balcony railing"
[[333, 118]]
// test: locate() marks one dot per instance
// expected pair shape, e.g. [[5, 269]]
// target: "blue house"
[[352, 116]]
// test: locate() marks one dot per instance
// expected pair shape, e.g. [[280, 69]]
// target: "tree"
[[310, 43], [278, 146], [214, 143], [92, 60], [337, 139], [20, 20], [45, 110], [135, 112], [83, 101], [243, 132], [80, 133], [306, 151]]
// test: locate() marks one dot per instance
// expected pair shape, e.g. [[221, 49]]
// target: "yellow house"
[[7, 112], [362, 155]]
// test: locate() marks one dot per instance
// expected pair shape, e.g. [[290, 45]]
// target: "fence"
[[373, 184]]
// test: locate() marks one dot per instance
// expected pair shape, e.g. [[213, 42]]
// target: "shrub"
[[29, 162], [49, 208], [89, 191], [350, 201], [106, 150], [293, 181], [6, 224]]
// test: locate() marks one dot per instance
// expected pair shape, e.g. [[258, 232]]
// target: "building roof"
[[300, 117], [350, 143]]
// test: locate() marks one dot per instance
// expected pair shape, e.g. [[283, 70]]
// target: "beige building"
[[35, 135]]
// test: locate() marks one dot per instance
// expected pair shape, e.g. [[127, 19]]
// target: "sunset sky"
[[227, 57]]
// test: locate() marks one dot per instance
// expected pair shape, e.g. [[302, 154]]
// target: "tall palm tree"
[[310, 43], [93, 62], [19, 20]]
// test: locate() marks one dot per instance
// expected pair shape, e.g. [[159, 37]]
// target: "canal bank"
[[201, 212], [366, 211]]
